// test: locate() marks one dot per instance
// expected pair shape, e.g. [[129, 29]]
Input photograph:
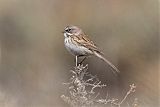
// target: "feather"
[[99, 55]]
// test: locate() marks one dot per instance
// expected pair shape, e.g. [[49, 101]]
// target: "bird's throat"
[[67, 34]]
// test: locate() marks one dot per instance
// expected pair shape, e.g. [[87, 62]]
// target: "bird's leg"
[[83, 60], [76, 60], [85, 57]]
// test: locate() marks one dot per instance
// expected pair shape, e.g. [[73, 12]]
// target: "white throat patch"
[[66, 34]]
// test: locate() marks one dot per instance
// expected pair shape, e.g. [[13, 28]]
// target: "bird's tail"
[[99, 55]]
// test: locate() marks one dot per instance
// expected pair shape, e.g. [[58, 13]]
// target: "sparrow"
[[78, 44]]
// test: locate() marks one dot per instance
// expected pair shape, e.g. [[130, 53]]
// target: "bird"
[[79, 44]]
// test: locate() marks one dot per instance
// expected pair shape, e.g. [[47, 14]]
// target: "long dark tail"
[[99, 55]]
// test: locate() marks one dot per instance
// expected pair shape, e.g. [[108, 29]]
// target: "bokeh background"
[[35, 63]]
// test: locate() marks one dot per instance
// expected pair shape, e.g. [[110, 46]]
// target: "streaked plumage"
[[78, 44]]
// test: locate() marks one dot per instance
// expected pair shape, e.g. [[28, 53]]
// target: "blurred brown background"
[[35, 63]]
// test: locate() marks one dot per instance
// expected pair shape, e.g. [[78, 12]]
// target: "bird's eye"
[[68, 30]]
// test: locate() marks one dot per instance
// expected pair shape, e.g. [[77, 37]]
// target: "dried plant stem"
[[82, 90]]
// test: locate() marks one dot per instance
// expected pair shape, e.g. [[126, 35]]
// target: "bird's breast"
[[75, 48]]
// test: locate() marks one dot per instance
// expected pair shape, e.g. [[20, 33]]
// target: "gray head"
[[72, 30]]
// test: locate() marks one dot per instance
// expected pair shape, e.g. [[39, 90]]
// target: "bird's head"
[[72, 30]]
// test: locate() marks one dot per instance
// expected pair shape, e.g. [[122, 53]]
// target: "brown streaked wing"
[[83, 40]]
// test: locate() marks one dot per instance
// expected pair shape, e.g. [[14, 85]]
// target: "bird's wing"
[[83, 40]]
